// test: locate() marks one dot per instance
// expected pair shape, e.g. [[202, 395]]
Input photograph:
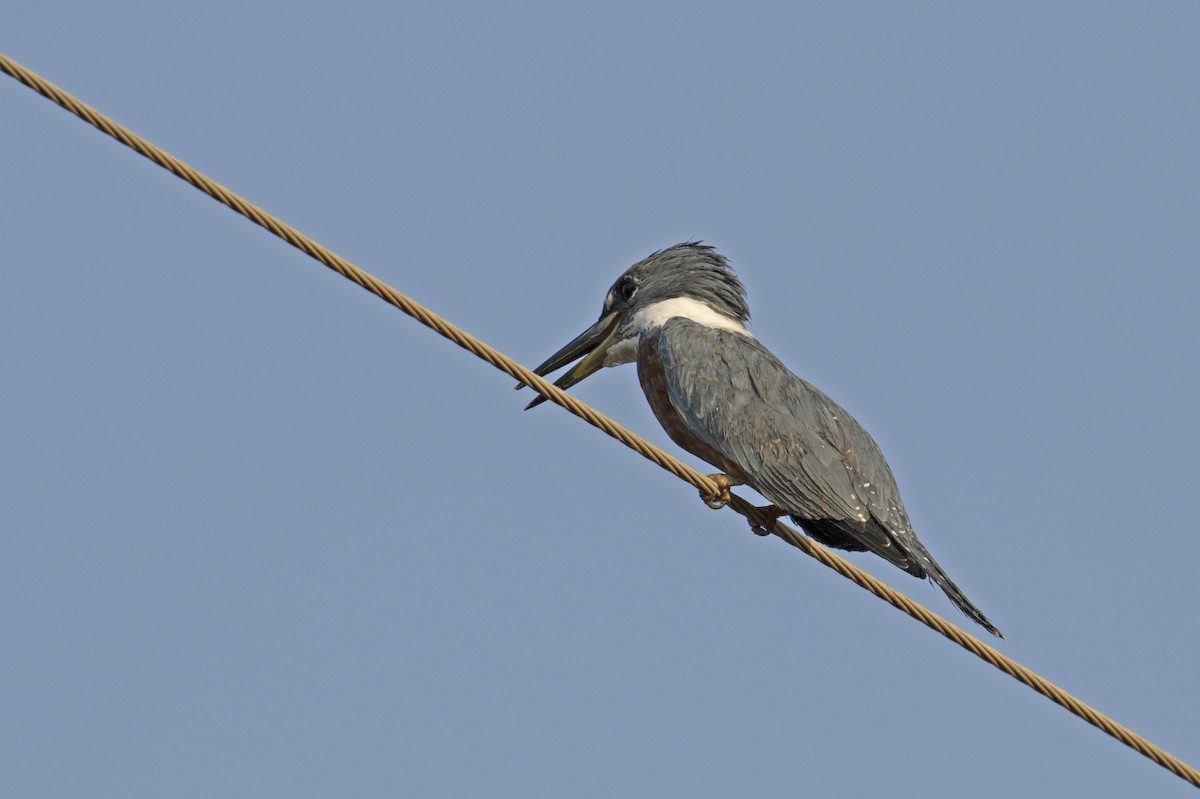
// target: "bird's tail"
[[943, 581]]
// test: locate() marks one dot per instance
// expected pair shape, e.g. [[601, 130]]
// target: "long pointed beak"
[[592, 343]]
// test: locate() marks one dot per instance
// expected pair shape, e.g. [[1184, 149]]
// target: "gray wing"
[[796, 447]]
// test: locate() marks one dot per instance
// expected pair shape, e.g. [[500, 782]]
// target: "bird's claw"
[[721, 498], [761, 529]]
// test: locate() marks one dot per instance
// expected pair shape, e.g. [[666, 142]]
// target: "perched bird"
[[681, 315]]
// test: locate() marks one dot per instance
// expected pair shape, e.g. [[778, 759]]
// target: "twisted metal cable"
[[756, 516]]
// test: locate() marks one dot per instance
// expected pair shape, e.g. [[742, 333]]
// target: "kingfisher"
[[681, 315]]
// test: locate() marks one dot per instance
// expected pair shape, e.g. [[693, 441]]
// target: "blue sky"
[[265, 536]]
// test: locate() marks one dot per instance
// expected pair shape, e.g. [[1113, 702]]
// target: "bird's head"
[[690, 280]]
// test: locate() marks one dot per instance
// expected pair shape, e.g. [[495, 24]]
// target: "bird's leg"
[[774, 511], [721, 498]]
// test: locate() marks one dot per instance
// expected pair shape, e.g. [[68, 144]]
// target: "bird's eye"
[[628, 288]]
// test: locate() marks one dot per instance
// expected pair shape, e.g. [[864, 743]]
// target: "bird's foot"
[[721, 498], [761, 528]]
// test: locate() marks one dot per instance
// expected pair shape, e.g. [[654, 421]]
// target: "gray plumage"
[[724, 397]]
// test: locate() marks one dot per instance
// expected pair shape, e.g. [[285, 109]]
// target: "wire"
[[635, 442]]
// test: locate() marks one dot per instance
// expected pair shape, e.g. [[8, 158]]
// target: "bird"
[[681, 315]]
